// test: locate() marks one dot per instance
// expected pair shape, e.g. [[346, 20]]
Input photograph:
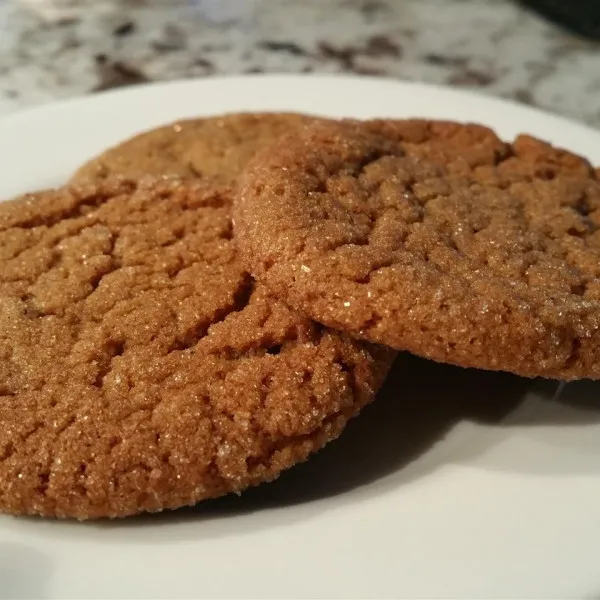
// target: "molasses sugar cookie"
[[141, 368], [432, 237], [217, 147]]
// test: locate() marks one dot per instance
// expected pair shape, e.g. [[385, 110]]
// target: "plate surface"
[[454, 484]]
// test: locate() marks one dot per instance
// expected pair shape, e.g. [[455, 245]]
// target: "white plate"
[[455, 484]]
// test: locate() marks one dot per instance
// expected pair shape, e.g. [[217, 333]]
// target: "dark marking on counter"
[[115, 74], [124, 29], [285, 47], [377, 46], [345, 55], [441, 60], [524, 96], [206, 64], [382, 45], [471, 77]]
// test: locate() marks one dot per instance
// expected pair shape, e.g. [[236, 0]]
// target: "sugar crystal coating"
[[432, 237], [215, 147], [141, 368]]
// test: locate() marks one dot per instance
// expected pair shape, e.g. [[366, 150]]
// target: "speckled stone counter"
[[494, 46]]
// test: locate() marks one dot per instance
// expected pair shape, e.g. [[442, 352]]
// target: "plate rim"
[[144, 88]]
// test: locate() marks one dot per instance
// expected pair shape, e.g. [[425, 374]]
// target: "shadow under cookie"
[[428, 416]]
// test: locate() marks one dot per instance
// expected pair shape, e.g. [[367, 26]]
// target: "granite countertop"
[[494, 46]]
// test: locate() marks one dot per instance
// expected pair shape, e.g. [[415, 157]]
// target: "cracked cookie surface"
[[214, 147], [141, 368], [433, 237]]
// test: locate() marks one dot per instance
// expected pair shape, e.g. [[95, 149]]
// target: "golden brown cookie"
[[436, 238], [217, 147], [141, 368]]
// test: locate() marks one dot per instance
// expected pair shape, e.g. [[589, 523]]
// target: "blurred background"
[[538, 52]]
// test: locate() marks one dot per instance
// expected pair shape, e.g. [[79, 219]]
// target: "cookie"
[[217, 147], [433, 237], [141, 368]]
